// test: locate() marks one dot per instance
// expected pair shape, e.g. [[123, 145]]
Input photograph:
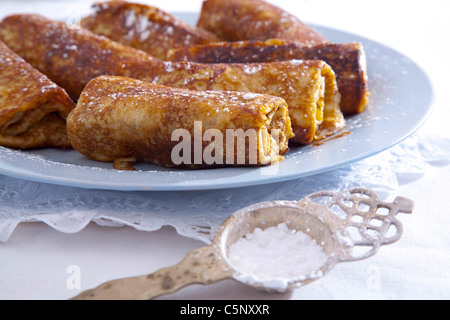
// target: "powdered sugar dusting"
[[249, 96], [296, 62], [252, 69]]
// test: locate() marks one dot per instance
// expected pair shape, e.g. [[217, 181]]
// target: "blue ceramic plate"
[[400, 102]]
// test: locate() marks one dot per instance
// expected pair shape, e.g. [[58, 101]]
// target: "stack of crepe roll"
[[138, 74]]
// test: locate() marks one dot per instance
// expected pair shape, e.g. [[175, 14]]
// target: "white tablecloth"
[[40, 261]]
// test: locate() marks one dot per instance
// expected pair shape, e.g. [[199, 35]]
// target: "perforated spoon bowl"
[[339, 222]]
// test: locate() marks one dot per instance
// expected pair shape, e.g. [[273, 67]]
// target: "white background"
[[34, 263]]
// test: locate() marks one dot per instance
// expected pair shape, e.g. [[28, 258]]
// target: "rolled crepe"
[[235, 20], [144, 27], [123, 120], [69, 55], [33, 110], [348, 61], [73, 56], [308, 87]]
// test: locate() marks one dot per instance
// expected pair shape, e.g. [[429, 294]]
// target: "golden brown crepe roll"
[[73, 56], [33, 110], [70, 56], [348, 61], [308, 86], [235, 20], [123, 120], [144, 27]]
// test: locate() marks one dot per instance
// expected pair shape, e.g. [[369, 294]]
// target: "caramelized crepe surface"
[[144, 27], [348, 61], [235, 20], [72, 57], [124, 120], [33, 109]]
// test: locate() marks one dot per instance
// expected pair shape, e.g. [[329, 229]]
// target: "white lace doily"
[[197, 214]]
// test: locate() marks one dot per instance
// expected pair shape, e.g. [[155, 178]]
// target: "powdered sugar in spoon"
[[348, 226]]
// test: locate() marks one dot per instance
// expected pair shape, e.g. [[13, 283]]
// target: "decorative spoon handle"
[[364, 219], [200, 266]]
